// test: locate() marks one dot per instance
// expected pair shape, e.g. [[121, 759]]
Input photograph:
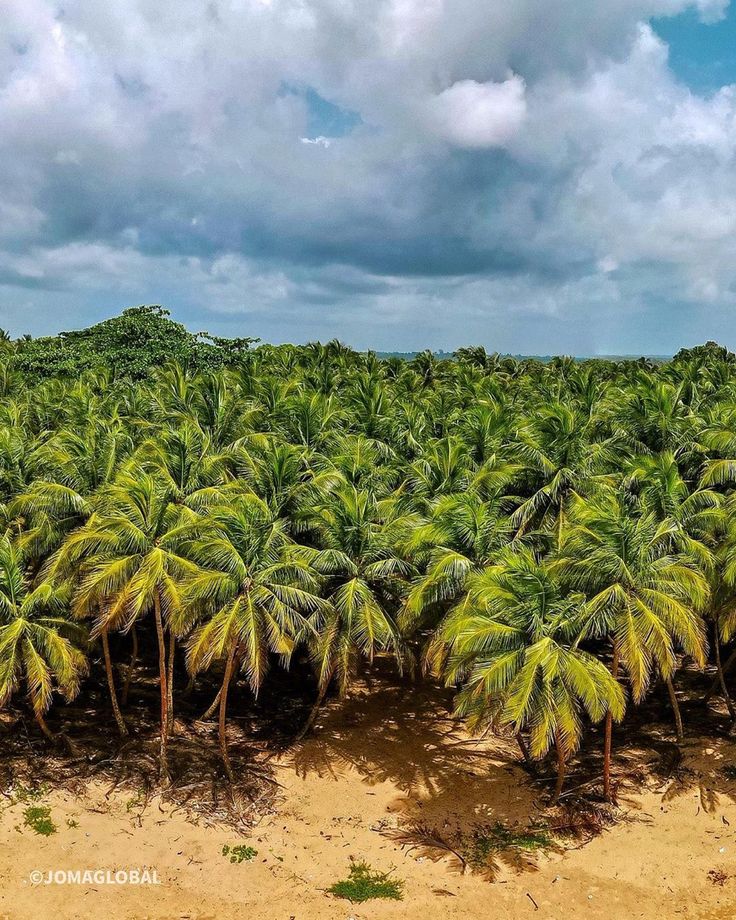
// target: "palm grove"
[[554, 540]]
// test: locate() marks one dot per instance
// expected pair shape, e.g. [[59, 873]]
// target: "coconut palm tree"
[[127, 561], [566, 454], [39, 645], [462, 536], [512, 645], [251, 596], [366, 576], [644, 597], [75, 465]]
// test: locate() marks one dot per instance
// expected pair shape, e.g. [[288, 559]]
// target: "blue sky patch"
[[702, 55], [325, 119]]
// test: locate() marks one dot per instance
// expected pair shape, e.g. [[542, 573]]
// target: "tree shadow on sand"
[[90, 750], [462, 798], [461, 795], [646, 754]]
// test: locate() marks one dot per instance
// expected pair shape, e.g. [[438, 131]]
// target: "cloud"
[[393, 169], [712, 10], [471, 114]]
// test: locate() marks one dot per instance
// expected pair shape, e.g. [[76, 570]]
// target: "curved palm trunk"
[[111, 684], [41, 722], [212, 708], [523, 747], [163, 752], [721, 679], [170, 684], [131, 666], [313, 714], [560, 771], [608, 734], [222, 728], [676, 710], [724, 670]]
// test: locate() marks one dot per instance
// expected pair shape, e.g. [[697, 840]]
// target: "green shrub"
[[38, 818], [363, 884], [489, 841], [239, 853]]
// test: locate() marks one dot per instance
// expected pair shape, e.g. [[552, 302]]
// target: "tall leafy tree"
[[127, 557], [366, 576], [644, 597], [513, 646], [40, 648], [252, 596]]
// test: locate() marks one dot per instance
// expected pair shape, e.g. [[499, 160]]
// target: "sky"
[[539, 177]]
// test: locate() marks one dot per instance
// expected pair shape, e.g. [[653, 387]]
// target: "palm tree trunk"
[[212, 708], [163, 753], [111, 684], [313, 714], [676, 710], [524, 750], [719, 668], [608, 734], [43, 726], [222, 729], [724, 670], [170, 683], [131, 666], [560, 771]]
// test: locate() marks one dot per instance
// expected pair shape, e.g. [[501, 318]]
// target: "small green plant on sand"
[[488, 841], [71, 822], [363, 884], [25, 794], [239, 853], [38, 818]]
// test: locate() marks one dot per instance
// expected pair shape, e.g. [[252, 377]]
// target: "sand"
[[375, 768]]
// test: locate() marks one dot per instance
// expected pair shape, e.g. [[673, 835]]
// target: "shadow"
[[394, 730], [457, 790], [462, 798], [646, 752], [90, 749]]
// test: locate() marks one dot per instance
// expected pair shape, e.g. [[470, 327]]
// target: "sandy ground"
[[377, 767]]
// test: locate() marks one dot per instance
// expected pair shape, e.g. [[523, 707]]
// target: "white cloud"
[[510, 154], [712, 10], [471, 114]]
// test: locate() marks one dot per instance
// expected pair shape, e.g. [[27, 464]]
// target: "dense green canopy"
[[554, 539]]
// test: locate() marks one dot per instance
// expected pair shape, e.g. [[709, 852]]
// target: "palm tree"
[[183, 456], [651, 414], [75, 465], [128, 563], [38, 643], [566, 455], [644, 597], [722, 607], [462, 536], [366, 576], [512, 646], [252, 595], [694, 513]]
